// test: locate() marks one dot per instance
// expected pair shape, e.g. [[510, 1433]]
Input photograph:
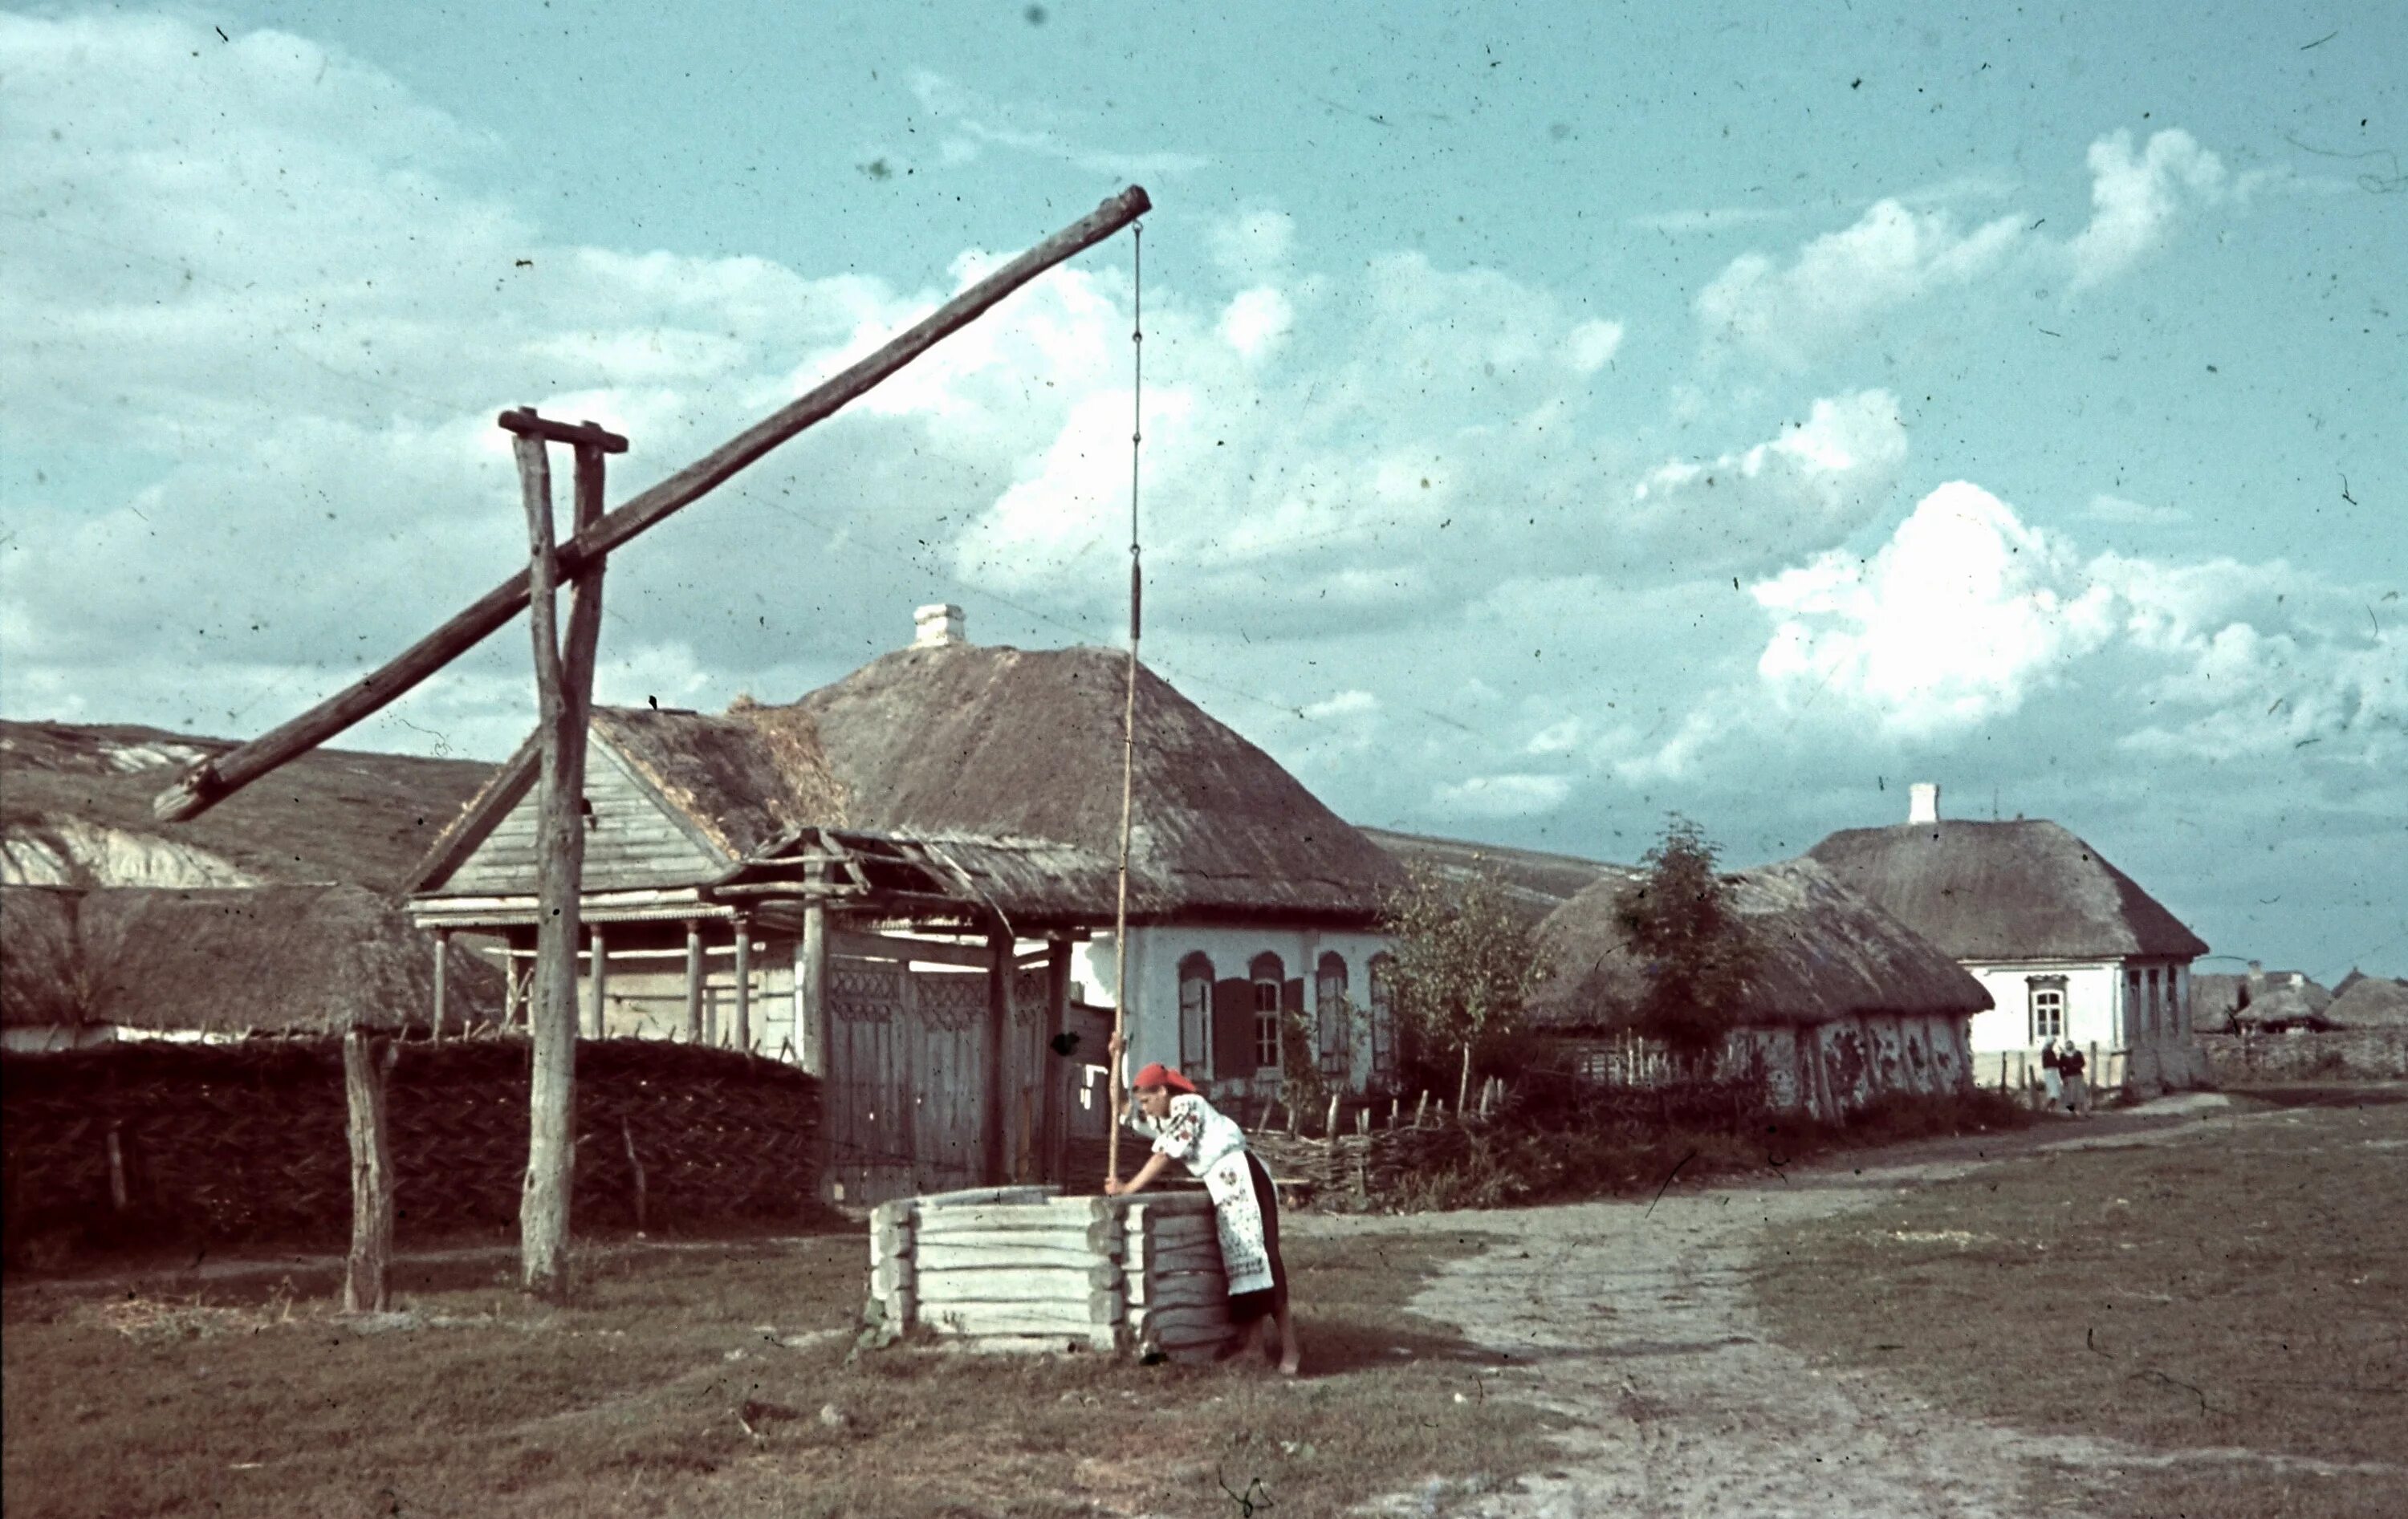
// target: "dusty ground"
[[1634, 1320]]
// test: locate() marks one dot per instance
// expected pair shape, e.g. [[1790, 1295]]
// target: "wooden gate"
[[905, 1098]]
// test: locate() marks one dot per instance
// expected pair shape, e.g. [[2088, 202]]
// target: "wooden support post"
[[202, 785], [1057, 1067], [1329, 1124], [365, 1064], [743, 982], [564, 692], [1000, 974], [635, 1164], [443, 977], [598, 986], [693, 980], [116, 1147], [810, 976]]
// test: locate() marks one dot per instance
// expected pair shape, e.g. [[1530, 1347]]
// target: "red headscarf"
[[1159, 1074]]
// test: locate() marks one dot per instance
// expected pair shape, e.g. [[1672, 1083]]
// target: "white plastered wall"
[[1156, 950]]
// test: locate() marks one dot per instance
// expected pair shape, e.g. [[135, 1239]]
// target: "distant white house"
[[2069, 946]]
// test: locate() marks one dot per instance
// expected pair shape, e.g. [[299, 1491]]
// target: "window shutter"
[[1233, 1028]]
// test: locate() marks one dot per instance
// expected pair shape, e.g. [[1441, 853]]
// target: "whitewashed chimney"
[[1923, 802], [934, 626]]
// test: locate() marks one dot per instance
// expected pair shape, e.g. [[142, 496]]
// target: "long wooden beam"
[[203, 785]]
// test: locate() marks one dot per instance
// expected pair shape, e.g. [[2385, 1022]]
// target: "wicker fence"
[[247, 1142]]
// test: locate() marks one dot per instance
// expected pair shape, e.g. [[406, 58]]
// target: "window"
[[1383, 1018], [1270, 977], [1196, 1014], [2047, 1011], [1332, 1018]]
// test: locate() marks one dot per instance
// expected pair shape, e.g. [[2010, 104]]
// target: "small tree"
[[1697, 951], [1464, 965]]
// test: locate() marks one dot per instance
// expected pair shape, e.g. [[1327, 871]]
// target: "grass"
[[694, 1381], [2239, 1288]]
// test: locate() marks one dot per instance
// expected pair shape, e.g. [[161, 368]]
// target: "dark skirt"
[[1251, 1306]]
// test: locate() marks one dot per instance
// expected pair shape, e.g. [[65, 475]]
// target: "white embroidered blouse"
[[1195, 1133]]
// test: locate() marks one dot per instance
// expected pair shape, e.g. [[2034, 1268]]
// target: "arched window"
[[1332, 1019], [1383, 1017], [1196, 1014], [1269, 978]]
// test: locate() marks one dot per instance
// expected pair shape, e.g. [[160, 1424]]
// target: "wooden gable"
[[633, 840]]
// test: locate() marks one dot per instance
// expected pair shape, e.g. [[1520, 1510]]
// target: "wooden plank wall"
[[631, 844]]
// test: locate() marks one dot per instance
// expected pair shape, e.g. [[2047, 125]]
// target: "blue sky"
[[1556, 417]]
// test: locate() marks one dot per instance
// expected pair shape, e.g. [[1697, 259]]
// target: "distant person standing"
[[2069, 1066], [2051, 1073]]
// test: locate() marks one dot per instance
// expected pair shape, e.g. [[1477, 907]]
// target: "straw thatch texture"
[[1535, 882], [268, 958], [1019, 744], [2026, 890], [246, 1140], [2371, 1002], [747, 778], [1824, 954]]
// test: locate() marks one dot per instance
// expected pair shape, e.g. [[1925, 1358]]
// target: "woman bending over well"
[[1245, 1207]]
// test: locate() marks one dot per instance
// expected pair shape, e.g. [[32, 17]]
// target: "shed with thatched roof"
[[2069, 947], [1844, 1002], [92, 967], [753, 874]]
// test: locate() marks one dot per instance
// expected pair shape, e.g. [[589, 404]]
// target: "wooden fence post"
[[365, 1064]]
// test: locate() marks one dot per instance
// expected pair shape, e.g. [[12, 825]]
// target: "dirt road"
[[1634, 1321]]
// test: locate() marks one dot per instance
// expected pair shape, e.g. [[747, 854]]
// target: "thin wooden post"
[[810, 975], [743, 982], [116, 1148], [564, 671], [1057, 1017], [442, 968], [365, 1064], [597, 1007], [693, 980], [627, 1136], [202, 785], [996, 1086]]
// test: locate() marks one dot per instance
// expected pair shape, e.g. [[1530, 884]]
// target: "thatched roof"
[[1824, 954], [2026, 890], [2215, 997], [1535, 881], [271, 958], [1006, 744], [2371, 1002]]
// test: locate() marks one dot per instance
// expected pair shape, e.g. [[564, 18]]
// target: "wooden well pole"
[[201, 786], [1117, 1086], [564, 681]]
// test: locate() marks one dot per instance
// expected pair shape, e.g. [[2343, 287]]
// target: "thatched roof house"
[[1823, 954], [2371, 1002], [1846, 1002], [2025, 889], [959, 740], [219, 962], [2069, 946]]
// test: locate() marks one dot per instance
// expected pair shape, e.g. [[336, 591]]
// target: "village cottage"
[[906, 882], [2069, 947], [1844, 1003]]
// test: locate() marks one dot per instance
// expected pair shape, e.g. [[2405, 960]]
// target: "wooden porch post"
[[743, 982], [810, 979], [1000, 976], [693, 980], [365, 1064], [1057, 1067], [601, 984], [443, 964]]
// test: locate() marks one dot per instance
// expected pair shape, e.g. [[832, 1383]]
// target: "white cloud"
[[1257, 319], [1953, 620], [2107, 508], [1839, 285], [1810, 486], [1513, 794], [1707, 219], [981, 122], [1592, 346], [2135, 198]]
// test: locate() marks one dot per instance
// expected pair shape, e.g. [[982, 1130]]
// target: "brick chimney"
[[934, 626], [1923, 802]]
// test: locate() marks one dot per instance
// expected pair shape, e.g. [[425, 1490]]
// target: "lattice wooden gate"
[[904, 1096]]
